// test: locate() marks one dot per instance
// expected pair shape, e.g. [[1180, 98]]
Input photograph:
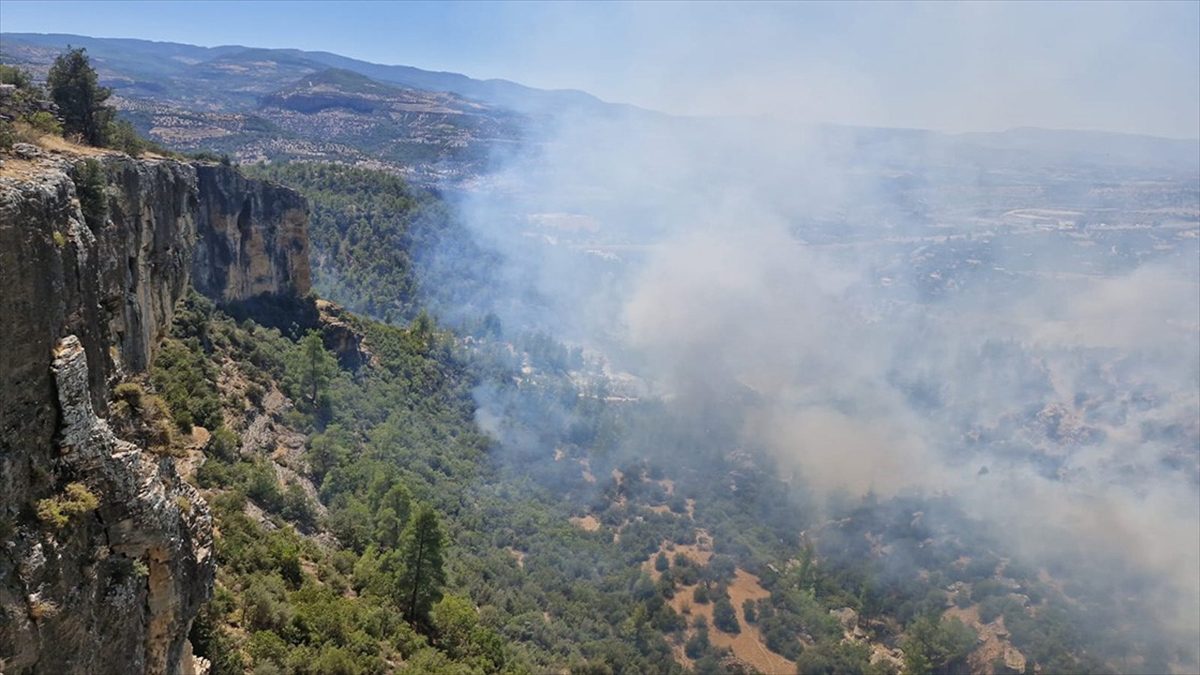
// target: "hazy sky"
[[1122, 67]]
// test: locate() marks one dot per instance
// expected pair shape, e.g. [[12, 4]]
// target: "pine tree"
[[313, 369], [76, 91], [421, 575], [392, 514]]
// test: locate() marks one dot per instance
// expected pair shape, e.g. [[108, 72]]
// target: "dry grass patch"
[[589, 522]]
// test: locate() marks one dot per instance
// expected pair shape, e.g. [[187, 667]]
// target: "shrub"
[[748, 611], [123, 137], [222, 445], [131, 393], [698, 645], [724, 618], [76, 500], [8, 135], [18, 77], [45, 123], [144, 419], [185, 378], [91, 187]]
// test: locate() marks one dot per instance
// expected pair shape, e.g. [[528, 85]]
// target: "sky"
[[1132, 67]]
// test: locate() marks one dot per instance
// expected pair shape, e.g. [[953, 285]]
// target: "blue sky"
[[971, 66]]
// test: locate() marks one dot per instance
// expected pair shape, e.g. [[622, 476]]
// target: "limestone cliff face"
[[253, 238], [83, 302]]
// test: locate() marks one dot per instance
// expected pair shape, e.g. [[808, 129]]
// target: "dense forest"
[[408, 485], [581, 531]]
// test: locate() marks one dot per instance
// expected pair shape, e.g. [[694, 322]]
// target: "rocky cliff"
[[107, 554]]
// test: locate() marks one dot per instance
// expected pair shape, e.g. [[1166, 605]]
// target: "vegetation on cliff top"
[[72, 104], [547, 562]]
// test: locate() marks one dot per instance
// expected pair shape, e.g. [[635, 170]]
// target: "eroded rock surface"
[[85, 296], [114, 589]]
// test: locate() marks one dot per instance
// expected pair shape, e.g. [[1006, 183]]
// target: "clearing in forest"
[[749, 645]]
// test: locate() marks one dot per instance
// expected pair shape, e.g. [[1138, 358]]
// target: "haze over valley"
[[730, 393]]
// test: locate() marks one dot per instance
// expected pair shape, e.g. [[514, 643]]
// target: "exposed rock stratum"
[[84, 300]]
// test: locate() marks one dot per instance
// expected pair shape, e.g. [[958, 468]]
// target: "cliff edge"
[[107, 554]]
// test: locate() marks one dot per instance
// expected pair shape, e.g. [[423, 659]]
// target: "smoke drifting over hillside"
[[1011, 320]]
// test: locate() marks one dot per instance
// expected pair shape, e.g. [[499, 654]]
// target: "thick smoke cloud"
[[890, 312]]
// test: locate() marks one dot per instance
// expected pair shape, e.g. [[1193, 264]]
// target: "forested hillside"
[[573, 535], [382, 379], [383, 247]]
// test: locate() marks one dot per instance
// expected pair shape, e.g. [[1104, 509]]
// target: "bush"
[[724, 618], [185, 378], [122, 136], [45, 123], [18, 77], [131, 393], [698, 645], [8, 135], [748, 611], [834, 659], [58, 511], [993, 607], [933, 645], [144, 419], [297, 508], [91, 184], [222, 445]]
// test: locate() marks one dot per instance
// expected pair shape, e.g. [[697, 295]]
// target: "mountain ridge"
[[494, 90]]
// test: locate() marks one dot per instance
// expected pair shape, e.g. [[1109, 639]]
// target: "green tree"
[[933, 646], [748, 611], [91, 183], [76, 91], [724, 617], [122, 136], [836, 659], [421, 575], [18, 77], [392, 515], [311, 369], [459, 633], [698, 644]]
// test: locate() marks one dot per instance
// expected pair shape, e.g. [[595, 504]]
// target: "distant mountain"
[[437, 127], [267, 104], [145, 59]]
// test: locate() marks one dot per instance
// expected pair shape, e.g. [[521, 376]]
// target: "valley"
[[368, 369]]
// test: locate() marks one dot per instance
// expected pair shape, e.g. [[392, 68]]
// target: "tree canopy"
[[419, 584], [75, 89]]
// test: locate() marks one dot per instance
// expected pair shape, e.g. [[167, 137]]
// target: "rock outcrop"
[[253, 238], [342, 337], [90, 272]]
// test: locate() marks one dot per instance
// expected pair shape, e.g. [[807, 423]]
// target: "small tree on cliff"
[[76, 91]]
